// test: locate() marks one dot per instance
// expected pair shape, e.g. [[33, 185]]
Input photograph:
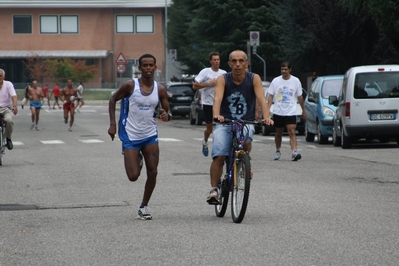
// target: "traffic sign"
[[121, 69], [121, 60], [254, 38]]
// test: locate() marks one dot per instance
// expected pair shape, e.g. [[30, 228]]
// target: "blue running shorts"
[[139, 144], [37, 105]]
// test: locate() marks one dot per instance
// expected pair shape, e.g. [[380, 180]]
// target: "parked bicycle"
[[237, 176], [3, 140]]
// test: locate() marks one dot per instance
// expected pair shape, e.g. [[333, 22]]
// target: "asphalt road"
[[65, 200]]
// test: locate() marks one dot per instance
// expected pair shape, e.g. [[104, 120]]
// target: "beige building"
[[94, 30]]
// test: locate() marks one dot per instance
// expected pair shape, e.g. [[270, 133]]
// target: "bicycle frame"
[[2, 138], [237, 148], [237, 169], [2, 135]]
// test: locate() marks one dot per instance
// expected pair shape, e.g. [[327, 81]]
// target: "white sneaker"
[[144, 214], [213, 197]]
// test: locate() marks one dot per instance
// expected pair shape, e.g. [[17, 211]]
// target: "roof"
[[54, 53], [84, 3]]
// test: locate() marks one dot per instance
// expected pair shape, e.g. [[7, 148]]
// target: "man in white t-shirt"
[[206, 80], [8, 98], [285, 91], [80, 97]]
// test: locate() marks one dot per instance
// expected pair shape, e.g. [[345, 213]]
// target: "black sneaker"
[[22, 106], [9, 144]]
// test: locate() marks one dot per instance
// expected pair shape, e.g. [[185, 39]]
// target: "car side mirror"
[[311, 99], [333, 100]]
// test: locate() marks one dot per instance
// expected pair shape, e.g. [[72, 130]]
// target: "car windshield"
[[331, 87], [377, 85], [180, 89]]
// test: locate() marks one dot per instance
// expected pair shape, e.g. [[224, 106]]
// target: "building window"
[[145, 24], [69, 24], [53, 24], [22, 24], [49, 24], [124, 24]]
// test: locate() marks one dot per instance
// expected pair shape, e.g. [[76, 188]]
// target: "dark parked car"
[[180, 97], [196, 111]]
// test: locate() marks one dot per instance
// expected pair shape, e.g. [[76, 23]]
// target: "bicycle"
[[237, 176], [3, 140]]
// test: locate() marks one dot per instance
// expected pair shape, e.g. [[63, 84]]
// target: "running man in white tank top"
[[137, 127]]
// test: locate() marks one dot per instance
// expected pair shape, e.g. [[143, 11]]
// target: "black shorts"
[[282, 121], [208, 114]]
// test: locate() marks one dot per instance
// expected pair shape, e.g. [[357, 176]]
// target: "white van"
[[367, 105]]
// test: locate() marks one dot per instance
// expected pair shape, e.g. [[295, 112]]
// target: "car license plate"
[[382, 117], [183, 98]]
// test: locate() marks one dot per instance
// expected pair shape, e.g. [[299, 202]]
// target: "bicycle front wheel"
[[220, 209], [240, 193]]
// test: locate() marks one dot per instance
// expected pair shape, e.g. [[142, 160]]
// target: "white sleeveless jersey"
[[140, 122]]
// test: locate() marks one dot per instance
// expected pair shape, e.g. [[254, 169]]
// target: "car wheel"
[[336, 137], [198, 120], [192, 119], [346, 142], [321, 139], [257, 129], [265, 132], [309, 137]]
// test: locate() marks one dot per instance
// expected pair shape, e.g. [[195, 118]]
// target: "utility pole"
[[166, 42]]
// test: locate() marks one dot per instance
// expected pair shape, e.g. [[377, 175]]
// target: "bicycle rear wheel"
[[2, 145], [240, 193], [220, 209]]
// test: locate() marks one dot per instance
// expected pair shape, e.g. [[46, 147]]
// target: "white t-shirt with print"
[[205, 76], [286, 93]]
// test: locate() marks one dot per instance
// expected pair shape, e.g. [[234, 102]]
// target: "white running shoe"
[[144, 214]]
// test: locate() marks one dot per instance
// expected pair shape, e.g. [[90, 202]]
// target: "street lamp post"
[[166, 41]]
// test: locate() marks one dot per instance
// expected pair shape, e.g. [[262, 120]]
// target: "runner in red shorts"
[[68, 95]]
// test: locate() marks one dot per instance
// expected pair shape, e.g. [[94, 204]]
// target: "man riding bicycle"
[[236, 94], [7, 95]]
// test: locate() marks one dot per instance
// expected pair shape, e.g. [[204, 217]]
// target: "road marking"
[[285, 139], [168, 139], [200, 139], [52, 142], [91, 140], [18, 143]]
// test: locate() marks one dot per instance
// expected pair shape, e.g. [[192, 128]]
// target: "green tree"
[[385, 16], [59, 70], [323, 36], [198, 27]]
